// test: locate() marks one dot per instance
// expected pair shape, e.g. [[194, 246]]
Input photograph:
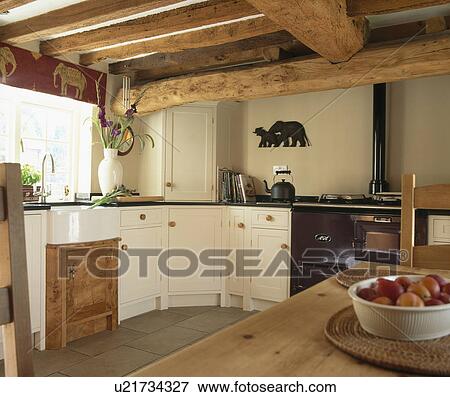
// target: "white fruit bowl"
[[400, 323]]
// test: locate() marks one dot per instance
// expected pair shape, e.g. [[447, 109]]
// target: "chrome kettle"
[[282, 190]]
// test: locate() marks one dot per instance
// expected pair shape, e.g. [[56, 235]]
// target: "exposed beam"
[[6, 5], [396, 32], [79, 15], [374, 7], [426, 56], [193, 16], [158, 66], [436, 25], [216, 35], [322, 25]]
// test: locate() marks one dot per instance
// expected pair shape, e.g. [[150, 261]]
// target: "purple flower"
[[130, 112], [115, 132], [102, 116]]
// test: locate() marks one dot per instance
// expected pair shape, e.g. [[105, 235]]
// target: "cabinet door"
[[33, 238], [195, 230], [140, 281], [189, 154], [237, 236], [272, 288]]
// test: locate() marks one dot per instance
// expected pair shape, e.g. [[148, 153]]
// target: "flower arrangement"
[[114, 132]]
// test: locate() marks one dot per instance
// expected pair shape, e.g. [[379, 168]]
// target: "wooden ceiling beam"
[[322, 25], [216, 35], [157, 66], [427, 55], [76, 16], [375, 7], [184, 18], [7, 5]]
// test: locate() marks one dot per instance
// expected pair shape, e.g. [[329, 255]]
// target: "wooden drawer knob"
[[241, 225], [124, 247], [172, 224], [269, 218], [284, 246], [142, 217]]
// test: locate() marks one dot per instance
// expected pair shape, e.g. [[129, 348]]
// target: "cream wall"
[[339, 125], [420, 131]]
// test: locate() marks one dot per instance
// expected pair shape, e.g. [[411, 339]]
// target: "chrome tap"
[[43, 194]]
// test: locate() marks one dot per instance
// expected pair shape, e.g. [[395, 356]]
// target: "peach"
[[420, 290], [431, 285], [409, 299], [383, 300]]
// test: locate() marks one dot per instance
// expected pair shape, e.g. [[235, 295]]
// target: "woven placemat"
[[426, 357], [352, 276]]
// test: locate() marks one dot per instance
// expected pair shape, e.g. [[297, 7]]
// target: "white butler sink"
[[80, 224]]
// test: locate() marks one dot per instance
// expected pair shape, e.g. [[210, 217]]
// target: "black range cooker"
[[333, 233]]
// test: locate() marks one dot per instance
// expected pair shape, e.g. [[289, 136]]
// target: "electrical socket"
[[279, 168]]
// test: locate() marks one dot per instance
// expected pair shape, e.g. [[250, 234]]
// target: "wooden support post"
[[408, 218]]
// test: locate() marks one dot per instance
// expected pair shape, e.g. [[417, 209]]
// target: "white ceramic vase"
[[110, 171]]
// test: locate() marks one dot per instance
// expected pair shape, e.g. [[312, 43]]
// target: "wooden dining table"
[[285, 340]]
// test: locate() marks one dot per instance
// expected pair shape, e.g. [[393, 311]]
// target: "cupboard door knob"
[[143, 217], [241, 225], [284, 246], [269, 218], [168, 184], [172, 224], [124, 247]]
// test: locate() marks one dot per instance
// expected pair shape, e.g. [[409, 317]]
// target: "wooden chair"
[[426, 197], [14, 303]]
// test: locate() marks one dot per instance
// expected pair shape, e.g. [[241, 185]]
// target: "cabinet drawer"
[[144, 217], [271, 219], [441, 228]]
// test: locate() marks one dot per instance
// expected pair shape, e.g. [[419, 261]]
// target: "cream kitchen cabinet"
[[189, 153], [438, 230], [140, 283], [237, 229], [193, 229], [273, 284], [191, 143]]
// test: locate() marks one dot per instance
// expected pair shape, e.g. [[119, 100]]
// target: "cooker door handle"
[[382, 219]]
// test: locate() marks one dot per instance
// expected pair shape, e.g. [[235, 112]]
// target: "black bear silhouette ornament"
[[289, 133]]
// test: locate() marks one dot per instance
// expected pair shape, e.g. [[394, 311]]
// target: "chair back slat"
[[432, 197], [17, 343], [425, 197], [2, 204], [5, 307], [432, 257]]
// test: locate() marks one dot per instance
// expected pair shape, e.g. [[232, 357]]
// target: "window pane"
[[32, 121], [33, 152], [59, 125], [60, 153]]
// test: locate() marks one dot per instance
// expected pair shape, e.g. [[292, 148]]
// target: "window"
[[4, 129], [33, 124]]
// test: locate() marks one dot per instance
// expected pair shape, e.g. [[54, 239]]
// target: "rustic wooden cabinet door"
[[193, 229], [189, 154], [271, 288], [237, 241], [81, 298]]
